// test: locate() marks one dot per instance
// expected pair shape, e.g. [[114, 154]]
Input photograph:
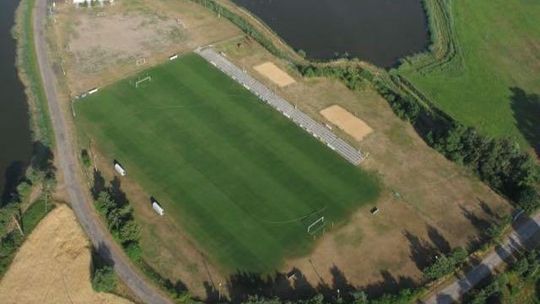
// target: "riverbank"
[[30, 198], [29, 74]]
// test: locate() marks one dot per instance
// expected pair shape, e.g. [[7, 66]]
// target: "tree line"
[[118, 215], [519, 284]]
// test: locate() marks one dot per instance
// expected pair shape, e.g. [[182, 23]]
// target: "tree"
[[104, 279], [445, 264], [130, 232], [529, 199], [105, 203]]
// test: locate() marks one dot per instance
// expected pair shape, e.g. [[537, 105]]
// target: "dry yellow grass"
[[275, 74], [53, 266], [347, 122]]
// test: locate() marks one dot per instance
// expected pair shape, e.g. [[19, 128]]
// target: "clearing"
[[241, 179], [494, 81], [275, 74], [100, 45], [53, 265], [347, 122]]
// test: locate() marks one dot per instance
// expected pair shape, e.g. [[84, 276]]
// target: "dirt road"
[[519, 238], [78, 194]]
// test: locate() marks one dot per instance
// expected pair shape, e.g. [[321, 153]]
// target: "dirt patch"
[[93, 47], [275, 74], [347, 122], [53, 265]]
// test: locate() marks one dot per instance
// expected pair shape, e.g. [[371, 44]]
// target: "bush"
[[104, 279], [445, 265]]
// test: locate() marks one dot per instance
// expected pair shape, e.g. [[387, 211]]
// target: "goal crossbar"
[[138, 82], [316, 225]]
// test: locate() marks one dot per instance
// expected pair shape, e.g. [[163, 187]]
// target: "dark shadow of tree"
[[42, 162], [526, 109], [422, 252], [294, 286], [117, 193], [481, 226], [43, 159], [98, 185], [12, 177], [438, 240]]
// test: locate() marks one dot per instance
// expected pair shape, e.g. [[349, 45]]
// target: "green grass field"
[[237, 175], [499, 42]]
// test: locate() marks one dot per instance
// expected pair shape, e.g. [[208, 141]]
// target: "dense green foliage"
[[405, 296], [519, 284], [499, 162], [445, 264], [495, 46], [12, 240], [238, 176], [119, 217], [104, 279]]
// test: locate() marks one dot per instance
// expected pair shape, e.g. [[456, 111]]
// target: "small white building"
[[118, 168], [159, 210]]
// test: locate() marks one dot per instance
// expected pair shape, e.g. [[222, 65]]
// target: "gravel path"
[[78, 194], [521, 237]]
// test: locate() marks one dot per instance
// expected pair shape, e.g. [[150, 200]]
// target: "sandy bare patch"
[[100, 41], [275, 74], [53, 265], [347, 122], [96, 47]]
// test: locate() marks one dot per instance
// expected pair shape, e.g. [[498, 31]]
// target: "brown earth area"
[[97, 46], [275, 74], [53, 265], [346, 121], [428, 205]]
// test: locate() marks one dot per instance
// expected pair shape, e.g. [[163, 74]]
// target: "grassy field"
[[499, 49], [238, 176]]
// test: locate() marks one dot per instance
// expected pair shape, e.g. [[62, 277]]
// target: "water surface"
[[15, 137], [378, 31]]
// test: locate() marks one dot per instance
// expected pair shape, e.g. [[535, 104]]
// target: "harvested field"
[[53, 266], [347, 122], [275, 74]]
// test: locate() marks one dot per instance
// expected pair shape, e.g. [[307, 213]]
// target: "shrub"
[[104, 279]]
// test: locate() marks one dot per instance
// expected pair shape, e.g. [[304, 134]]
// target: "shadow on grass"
[[526, 109], [294, 286]]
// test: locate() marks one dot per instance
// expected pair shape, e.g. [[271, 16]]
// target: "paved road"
[[78, 194], [519, 238], [303, 120]]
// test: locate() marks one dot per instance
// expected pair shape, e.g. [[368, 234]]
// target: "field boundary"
[[301, 119]]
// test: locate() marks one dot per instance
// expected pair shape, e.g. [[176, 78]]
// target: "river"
[[378, 31], [15, 134]]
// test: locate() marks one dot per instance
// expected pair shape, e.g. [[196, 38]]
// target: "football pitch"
[[240, 178]]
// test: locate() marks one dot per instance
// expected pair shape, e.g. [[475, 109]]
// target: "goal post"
[[316, 226], [142, 81]]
